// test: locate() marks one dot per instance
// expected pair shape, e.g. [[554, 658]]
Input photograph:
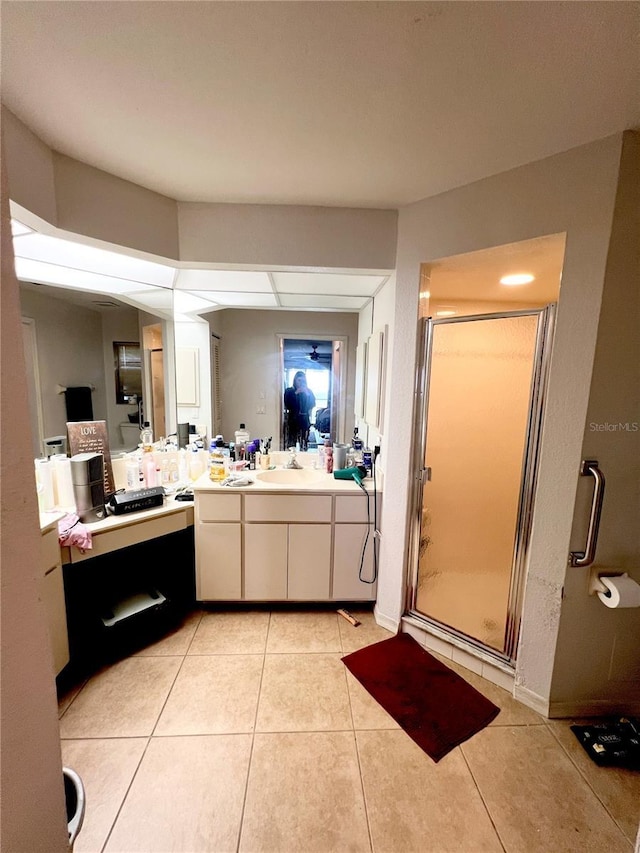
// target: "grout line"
[[253, 737], [164, 704], [126, 794], [484, 802], [84, 684], [355, 745], [585, 778], [194, 634]]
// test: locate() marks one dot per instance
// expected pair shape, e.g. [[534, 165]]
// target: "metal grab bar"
[[580, 558]]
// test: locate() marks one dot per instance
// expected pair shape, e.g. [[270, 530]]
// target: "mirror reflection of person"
[[299, 400]]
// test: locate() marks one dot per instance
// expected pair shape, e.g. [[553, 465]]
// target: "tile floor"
[[243, 731]]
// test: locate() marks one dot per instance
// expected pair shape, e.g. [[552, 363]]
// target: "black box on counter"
[[123, 502]]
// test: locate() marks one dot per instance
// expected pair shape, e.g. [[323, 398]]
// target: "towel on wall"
[[79, 404]]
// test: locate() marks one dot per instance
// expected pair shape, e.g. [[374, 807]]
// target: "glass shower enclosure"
[[479, 409]]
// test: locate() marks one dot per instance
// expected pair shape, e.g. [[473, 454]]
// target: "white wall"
[[285, 235], [196, 335], [574, 193], [70, 353], [250, 363], [97, 204], [33, 809], [29, 168], [597, 665], [375, 316]]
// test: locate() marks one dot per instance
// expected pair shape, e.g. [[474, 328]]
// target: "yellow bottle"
[[216, 460]]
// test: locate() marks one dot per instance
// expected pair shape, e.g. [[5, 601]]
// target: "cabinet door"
[[309, 562], [53, 598], [347, 551], [218, 562], [265, 562]]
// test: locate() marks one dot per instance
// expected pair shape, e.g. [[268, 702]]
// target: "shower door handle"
[[586, 557]]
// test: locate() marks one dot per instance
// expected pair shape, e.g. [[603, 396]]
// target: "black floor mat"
[[612, 743]]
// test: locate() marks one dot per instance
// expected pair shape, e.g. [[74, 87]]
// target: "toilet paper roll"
[[622, 591]]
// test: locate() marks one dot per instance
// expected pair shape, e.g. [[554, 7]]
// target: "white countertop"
[[324, 484], [49, 520]]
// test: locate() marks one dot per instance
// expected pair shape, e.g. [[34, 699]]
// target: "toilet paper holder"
[[595, 584]]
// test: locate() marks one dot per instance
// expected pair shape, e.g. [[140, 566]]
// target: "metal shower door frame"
[[528, 478]]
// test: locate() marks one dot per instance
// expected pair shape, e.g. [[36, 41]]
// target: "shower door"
[[479, 411]]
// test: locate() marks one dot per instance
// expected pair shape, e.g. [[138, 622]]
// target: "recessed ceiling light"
[[425, 294], [517, 278], [447, 313]]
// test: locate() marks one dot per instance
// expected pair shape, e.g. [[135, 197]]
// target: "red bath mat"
[[435, 707]]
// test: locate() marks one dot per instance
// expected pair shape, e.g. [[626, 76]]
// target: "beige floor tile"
[[106, 768], [124, 700], [236, 633], [416, 805], [304, 794], [213, 695], [366, 633], [67, 698], [367, 713], [303, 632], [617, 788], [303, 693], [186, 798], [536, 797], [177, 641], [512, 712]]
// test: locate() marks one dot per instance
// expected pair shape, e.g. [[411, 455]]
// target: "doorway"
[[485, 342], [320, 360], [482, 405]]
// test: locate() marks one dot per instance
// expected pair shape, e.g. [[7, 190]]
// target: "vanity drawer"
[[353, 508], [50, 550], [218, 507], [291, 508]]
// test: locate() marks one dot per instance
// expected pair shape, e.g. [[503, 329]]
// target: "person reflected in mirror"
[[299, 401]]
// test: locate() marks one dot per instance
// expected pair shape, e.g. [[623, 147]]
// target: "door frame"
[[338, 409], [528, 478]]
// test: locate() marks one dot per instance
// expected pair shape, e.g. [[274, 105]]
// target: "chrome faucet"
[[293, 462]]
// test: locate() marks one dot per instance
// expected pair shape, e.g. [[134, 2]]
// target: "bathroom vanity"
[[289, 536], [145, 550]]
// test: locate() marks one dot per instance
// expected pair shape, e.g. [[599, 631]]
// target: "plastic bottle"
[[149, 470], [216, 460], [242, 439], [328, 450], [183, 467], [146, 437], [133, 474], [174, 471]]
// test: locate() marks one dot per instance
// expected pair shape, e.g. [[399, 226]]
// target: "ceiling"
[[359, 104], [475, 276]]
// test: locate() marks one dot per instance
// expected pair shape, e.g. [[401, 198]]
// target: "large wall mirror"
[[211, 351], [123, 355]]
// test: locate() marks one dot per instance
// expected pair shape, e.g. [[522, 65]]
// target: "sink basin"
[[290, 476]]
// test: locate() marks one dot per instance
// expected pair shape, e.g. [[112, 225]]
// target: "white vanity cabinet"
[[287, 547], [281, 546], [350, 535], [218, 547], [52, 592]]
